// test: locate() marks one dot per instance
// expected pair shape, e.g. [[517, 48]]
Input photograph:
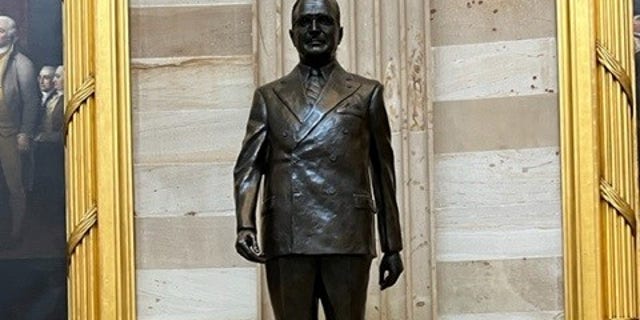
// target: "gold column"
[[98, 160], [580, 160], [114, 162], [596, 60], [80, 158]]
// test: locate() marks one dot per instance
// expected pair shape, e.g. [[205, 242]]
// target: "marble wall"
[[497, 178], [192, 78]]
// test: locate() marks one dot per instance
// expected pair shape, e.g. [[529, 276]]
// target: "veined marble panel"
[[498, 205], [160, 84], [547, 315], [183, 189], [496, 69], [465, 245], [178, 31], [464, 22], [170, 3], [497, 178], [187, 242], [543, 216], [188, 136], [197, 294], [500, 286], [498, 123]]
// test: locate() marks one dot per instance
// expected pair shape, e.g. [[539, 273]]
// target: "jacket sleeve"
[[383, 174], [30, 96], [251, 164]]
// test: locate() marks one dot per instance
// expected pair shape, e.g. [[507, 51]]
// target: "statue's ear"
[[340, 35], [291, 36]]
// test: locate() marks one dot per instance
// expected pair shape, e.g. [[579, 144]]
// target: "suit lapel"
[[290, 90], [339, 87]]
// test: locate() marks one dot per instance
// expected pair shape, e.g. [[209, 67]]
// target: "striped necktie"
[[314, 86]]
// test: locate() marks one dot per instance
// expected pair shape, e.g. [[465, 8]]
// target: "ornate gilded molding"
[[81, 230], [86, 90], [99, 166], [580, 160], [599, 159], [612, 197], [114, 165], [616, 69]]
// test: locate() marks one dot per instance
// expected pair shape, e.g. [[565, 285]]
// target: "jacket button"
[[331, 192], [285, 134], [333, 158], [345, 131]]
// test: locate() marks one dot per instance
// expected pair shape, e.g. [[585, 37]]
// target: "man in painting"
[[19, 102], [320, 136], [45, 80], [50, 129], [49, 152]]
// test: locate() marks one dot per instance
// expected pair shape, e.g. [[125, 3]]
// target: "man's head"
[[7, 31], [316, 31], [58, 79], [45, 78]]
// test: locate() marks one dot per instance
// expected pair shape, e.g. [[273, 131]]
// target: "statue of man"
[[320, 137]]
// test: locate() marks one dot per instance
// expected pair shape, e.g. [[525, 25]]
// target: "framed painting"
[[32, 185]]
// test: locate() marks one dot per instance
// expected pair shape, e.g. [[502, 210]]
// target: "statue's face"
[[316, 31]]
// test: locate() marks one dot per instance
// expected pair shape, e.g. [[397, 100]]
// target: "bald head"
[[315, 4]]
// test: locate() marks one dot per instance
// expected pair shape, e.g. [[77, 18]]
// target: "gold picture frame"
[[599, 158], [99, 166]]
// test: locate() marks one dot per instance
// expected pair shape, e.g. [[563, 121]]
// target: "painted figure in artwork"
[[19, 106]]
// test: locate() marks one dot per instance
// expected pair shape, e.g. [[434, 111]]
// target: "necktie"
[[314, 86]]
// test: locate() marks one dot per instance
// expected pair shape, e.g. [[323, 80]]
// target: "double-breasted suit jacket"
[[323, 166]]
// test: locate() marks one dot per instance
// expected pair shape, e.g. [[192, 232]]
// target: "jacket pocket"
[[363, 201]]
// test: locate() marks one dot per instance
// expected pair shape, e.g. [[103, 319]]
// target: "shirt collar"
[[7, 52], [325, 70]]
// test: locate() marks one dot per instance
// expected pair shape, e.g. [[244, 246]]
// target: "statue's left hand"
[[23, 142], [247, 246], [390, 269]]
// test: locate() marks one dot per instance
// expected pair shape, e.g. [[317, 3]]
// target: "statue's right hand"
[[247, 246]]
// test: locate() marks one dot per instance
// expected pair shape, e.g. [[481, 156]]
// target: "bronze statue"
[[321, 138]]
